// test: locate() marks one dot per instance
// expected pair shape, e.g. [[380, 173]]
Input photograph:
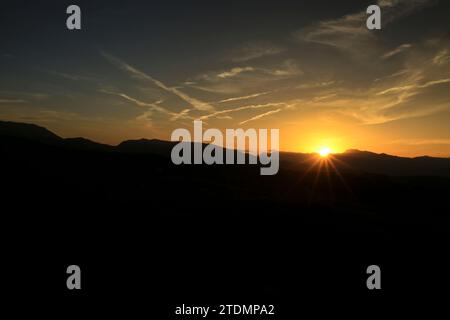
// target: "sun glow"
[[324, 152]]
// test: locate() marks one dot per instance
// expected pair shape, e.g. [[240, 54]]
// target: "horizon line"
[[246, 151]]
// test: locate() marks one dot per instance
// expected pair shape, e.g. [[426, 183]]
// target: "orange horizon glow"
[[308, 135], [324, 152]]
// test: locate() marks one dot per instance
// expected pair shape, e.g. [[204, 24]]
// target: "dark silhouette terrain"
[[221, 230], [382, 187]]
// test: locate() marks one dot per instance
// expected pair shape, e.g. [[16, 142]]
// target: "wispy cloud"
[[12, 101], [255, 95], [72, 76], [420, 142], [139, 103], [380, 118], [181, 115], [239, 80], [393, 75], [247, 107], [22, 95], [401, 94], [339, 33], [397, 50], [259, 116], [234, 72], [396, 9], [325, 97], [289, 68], [197, 104], [349, 33], [416, 91], [414, 86], [151, 107], [441, 58], [315, 85], [255, 50]]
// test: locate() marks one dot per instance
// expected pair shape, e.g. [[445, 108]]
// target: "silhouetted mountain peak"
[[353, 159], [352, 151], [359, 152], [28, 131], [369, 154], [79, 140], [143, 141]]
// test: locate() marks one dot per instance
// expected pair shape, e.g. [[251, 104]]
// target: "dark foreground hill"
[[351, 160], [220, 232], [365, 189]]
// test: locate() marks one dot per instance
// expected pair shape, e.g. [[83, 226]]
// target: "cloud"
[[255, 50], [12, 101], [138, 102], [253, 106], [225, 117], [340, 33], [395, 9], [349, 33], [411, 86], [197, 104], [371, 108], [245, 97], [20, 95], [70, 76], [393, 75], [261, 116], [434, 82], [325, 97], [420, 142], [374, 90], [380, 118], [152, 107], [146, 116], [288, 68], [234, 72], [414, 86], [218, 87], [181, 115], [315, 85], [239, 80], [396, 51], [441, 58], [415, 91]]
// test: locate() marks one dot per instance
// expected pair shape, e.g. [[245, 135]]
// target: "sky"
[[140, 69]]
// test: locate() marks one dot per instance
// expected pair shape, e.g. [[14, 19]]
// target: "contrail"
[[197, 104]]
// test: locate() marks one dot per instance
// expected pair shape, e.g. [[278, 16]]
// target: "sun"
[[324, 152]]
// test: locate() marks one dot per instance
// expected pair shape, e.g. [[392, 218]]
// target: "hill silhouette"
[[129, 207], [356, 160], [354, 181], [27, 131]]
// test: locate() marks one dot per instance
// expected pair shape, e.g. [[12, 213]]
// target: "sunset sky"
[[140, 69]]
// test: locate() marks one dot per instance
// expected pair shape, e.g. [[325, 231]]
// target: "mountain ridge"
[[25, 130], [17, 135]]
